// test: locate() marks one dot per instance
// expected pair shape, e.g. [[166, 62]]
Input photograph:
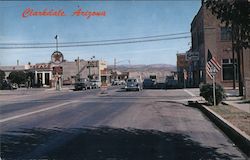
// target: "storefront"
[[42, 74]]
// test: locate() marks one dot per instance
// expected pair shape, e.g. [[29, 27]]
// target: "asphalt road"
[[146, 125]]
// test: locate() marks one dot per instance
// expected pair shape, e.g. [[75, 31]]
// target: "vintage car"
[[133, 84]]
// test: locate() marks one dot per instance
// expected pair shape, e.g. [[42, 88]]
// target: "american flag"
[[211, 62]]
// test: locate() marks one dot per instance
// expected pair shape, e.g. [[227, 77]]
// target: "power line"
[[107, 40], [96, 44]]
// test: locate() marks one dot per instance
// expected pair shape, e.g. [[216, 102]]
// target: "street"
[[150, 124]]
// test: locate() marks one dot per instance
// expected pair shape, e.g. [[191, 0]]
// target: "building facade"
[[182, 70], [48, 74], [42, 74], [208, 33], [91, 69], [9, 69]]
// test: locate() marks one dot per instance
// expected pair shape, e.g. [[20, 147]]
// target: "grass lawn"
[[238, 118]]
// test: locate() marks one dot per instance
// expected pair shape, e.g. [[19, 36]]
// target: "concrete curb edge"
[[241, 140]]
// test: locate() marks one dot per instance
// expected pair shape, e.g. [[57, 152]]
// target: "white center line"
[[34, 112]]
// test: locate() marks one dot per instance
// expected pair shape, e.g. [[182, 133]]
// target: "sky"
[[123, 19]]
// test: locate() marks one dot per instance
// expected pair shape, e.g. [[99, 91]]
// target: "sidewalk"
[[64, 88], [238, 103], [234, 100]]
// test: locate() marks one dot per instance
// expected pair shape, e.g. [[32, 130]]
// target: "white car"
[[95, 83], [133, 84]]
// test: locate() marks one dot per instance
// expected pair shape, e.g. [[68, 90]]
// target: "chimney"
[[17, 62]]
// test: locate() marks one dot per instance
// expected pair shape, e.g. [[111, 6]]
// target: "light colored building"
[[48, 74], [92, 69], [8, 69], [42, 74]]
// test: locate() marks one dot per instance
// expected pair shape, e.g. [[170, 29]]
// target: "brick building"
[[182, 70], [208, 33]]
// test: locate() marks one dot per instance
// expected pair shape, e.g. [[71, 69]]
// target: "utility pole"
[[90, 64], [89, 69], [77, 78], [115, 68], [78, 65]]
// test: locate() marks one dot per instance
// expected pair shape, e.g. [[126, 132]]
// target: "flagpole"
[[56, 37]]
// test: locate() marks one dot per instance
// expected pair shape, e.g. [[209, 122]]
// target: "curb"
[[241, 140]]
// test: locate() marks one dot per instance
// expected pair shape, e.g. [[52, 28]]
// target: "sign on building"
[[194, 56], [57, 70]]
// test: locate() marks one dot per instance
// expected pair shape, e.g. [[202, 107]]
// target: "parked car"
[[171, 83], [6, 85], [118, 82], [22, 85], [122, 82], [67, 82], [14, 85], [133, 84], [148, 83], [82, 84], [95, 83]]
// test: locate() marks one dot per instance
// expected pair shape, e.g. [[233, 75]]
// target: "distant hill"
[[160, 70], [124, 68]]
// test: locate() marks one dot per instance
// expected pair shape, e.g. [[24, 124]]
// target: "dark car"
[[172, 84], [82, 84], [6, 85], [148, 83]]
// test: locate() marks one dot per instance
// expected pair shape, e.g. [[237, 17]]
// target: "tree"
[[236, 14], [2, 75], [18, 77]]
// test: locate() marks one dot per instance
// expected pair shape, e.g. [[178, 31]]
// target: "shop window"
[[228, 70]]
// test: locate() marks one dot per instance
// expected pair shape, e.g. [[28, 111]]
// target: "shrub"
[[206, 91]]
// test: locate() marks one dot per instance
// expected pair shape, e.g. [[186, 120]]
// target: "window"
[[225, 61], [228, 70], [225, 34]]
